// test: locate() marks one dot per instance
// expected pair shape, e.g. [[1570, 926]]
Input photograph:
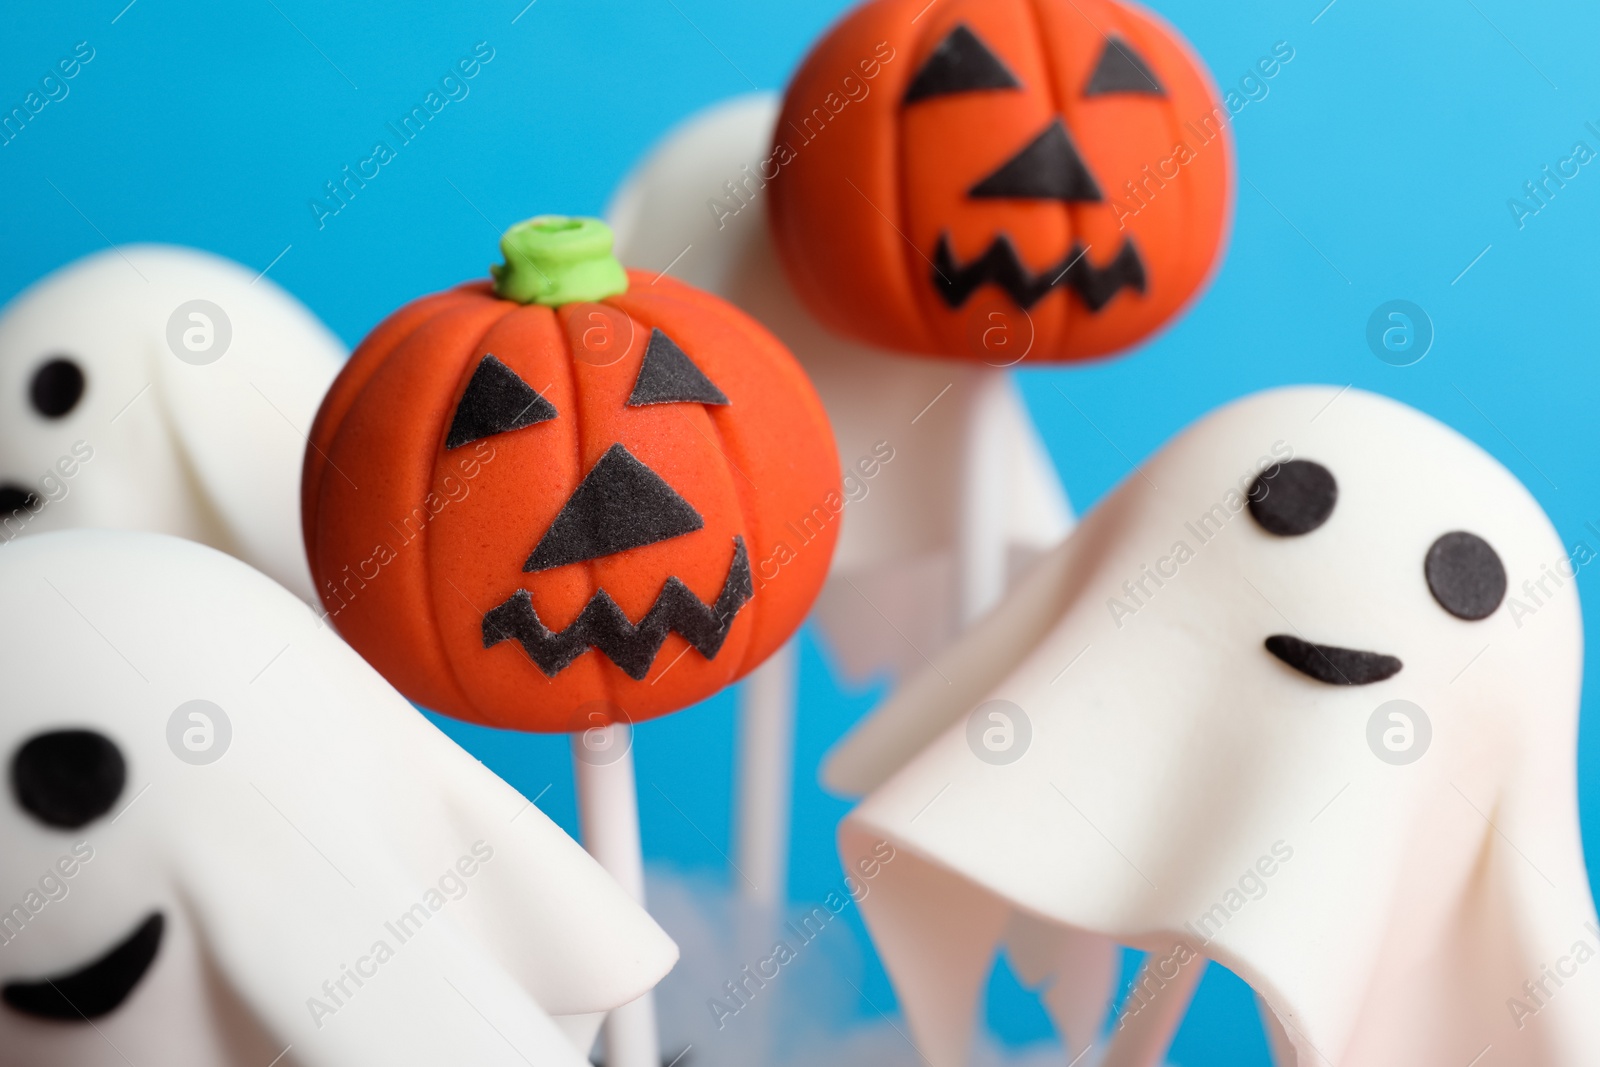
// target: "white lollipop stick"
[[981, 524], [1145, 1034], [765, 770], [762, 792], [767, 699], [608, 817]]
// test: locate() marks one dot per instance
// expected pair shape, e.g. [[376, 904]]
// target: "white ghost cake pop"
[[697, 209], [1272, 704], [225, 839], [159, 388]]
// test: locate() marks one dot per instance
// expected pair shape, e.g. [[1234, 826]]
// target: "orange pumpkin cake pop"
[[573, 496]]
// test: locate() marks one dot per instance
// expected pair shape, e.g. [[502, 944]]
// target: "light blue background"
[[1379, 166]]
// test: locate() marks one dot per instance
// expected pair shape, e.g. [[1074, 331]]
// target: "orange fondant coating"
[[866, 186], [411, 545]]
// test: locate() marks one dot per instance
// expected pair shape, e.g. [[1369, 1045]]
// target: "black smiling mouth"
[[95, 989], [1002, 265], [15, 498], [1331, 664]]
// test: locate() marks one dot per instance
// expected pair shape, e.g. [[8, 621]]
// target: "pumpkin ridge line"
[[908, 245], [1189, 205], [456, 696], [747, 528], [435, 631], [1058, 107], [325, 450], [569, 359]]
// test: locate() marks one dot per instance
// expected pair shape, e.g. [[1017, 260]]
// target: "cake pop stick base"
[[981, 522], [1145, 1033], [631, 1035], [608, 818], [766, 774]]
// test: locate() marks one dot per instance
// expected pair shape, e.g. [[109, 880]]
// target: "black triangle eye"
[[68, 778], [1465, 575], [1293, 498], [1049, 168], [496, 401], [1122, 70], [669, 376], [961, 64]]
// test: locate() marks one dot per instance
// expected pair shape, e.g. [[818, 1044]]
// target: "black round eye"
[[1293, 498], [67, 778], [57, 387], [1465, 575]]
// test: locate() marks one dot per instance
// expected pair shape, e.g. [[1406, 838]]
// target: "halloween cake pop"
[[227, 841], [1309, 709], [1052, 176], [568, 501], [570, 488], [159, 388], [965, 181]]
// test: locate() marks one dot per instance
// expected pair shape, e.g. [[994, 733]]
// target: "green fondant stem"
[[554, 260]]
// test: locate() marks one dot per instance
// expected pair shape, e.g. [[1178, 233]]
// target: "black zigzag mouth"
[[1002, 265], [1332, 665], [603, 626], [95, 989]]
